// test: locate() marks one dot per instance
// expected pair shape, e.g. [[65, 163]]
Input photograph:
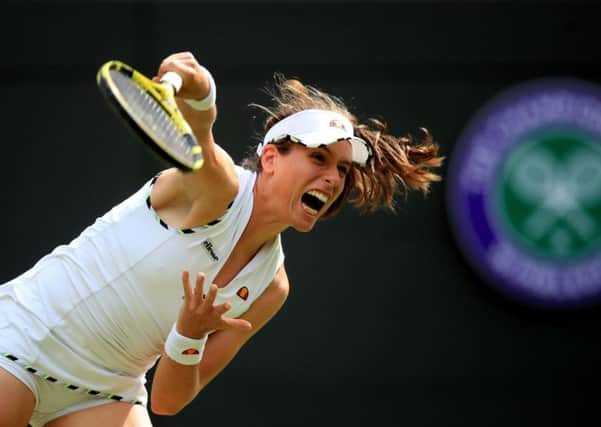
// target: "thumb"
[[240, 324]]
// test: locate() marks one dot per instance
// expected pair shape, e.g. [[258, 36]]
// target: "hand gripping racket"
[[149, 109]]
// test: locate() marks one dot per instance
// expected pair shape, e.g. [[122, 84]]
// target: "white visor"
[[316, 128]]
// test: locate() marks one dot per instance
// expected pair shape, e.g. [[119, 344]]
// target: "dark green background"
[[386, 325]]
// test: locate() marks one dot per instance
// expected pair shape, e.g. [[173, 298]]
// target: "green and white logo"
[[549, 195]]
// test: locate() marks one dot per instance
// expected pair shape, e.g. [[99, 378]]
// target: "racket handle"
[[173, 79]]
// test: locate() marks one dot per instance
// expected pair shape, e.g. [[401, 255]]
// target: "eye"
[[343, 170], [319, 157]]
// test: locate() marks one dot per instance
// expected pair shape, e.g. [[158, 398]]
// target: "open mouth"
[[312, 201]]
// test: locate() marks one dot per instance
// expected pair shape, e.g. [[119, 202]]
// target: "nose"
[[332, 176]]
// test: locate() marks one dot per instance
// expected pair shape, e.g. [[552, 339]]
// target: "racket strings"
[[148, 112]]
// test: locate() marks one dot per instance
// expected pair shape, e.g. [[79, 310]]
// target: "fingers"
[[188, 293], [196, 84], [199, 289], [212, 294], [222, 308], [182, 62], [202, 307], [241, 324], [231, 322], [197, 296]]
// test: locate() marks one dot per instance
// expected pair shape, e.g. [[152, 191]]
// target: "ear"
[[269, 158]]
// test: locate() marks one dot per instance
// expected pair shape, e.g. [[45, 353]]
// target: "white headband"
[[315, 128]]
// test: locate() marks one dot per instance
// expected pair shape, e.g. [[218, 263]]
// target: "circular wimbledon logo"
[[524, 193]]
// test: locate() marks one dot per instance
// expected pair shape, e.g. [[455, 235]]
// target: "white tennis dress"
[[94, 314]]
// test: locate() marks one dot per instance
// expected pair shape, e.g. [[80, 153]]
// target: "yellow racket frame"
[[163, 93]]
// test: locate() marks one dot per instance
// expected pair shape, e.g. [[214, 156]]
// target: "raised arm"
[[204, 195], [174, 384]]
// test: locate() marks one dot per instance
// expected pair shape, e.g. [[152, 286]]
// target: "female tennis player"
[[190, 267]]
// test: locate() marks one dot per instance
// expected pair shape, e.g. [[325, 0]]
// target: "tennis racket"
[[149, 109]]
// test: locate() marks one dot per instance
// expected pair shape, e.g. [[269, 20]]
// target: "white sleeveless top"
[[96, 312]]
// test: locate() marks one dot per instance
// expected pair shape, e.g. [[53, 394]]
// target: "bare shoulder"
[[189, 199], [216, 178]]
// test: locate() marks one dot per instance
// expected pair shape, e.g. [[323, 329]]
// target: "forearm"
[[196, 95], [174, 386], [197, 103], [201, 122], [218, 170]]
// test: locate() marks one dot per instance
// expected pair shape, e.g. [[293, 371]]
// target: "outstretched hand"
[[199, 315]]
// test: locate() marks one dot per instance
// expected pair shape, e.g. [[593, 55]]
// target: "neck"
[[263, 225]]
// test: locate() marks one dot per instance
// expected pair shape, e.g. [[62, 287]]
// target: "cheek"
[[287, 178], [292, 168], [341, 186]]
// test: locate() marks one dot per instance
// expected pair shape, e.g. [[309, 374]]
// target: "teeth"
[[309, 209], [319, 195]]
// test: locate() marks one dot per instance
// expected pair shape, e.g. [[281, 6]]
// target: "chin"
[[304, 226], [303, 230]]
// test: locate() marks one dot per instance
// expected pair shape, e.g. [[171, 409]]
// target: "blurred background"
[[386, 323]]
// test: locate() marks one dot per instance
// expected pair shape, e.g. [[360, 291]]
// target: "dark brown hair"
[[399, 164]]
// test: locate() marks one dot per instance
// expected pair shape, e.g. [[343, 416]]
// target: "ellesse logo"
[[337, 124], [243, 293]]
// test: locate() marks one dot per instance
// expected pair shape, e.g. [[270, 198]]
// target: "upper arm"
[[223, 345], [189, 199]]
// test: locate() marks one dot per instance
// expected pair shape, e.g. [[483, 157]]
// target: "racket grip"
[[173, 79]]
